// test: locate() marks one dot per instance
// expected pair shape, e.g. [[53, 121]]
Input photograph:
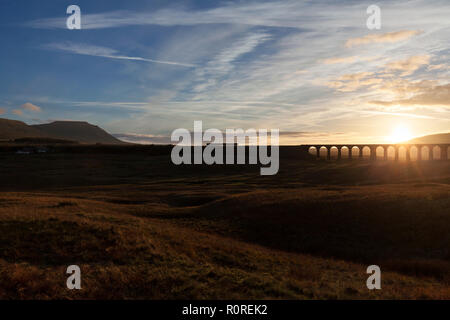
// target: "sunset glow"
[[400, 134], [312, 69]]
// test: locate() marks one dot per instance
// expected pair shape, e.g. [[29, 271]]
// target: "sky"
[[312, 69]]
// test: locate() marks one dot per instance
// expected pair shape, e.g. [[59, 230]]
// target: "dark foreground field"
[[141, 228]]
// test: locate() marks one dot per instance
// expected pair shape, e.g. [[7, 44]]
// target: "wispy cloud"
[[104, 52], [143, 138], [409, 65], [389, 37], [354, 81], [437, 95], [267, 64], [284, 14], [272, 14], [400, 114], [355, 76], [286, 137], [438, 67], [340, 60], [222, 64]]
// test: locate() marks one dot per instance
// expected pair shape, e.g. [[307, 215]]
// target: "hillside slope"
[[433, 138], [13, 129], [80, 131], [153, 230]]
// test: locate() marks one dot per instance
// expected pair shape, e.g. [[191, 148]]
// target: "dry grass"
[[161, 232]]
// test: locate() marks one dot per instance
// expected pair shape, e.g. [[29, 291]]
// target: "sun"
[[400, 134]]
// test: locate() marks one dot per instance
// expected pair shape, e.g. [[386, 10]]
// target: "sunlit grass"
[[165, 232]]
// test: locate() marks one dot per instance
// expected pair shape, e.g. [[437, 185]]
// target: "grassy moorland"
[[140, 227]]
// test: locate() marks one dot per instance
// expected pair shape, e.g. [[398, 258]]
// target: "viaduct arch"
[[356, 150]]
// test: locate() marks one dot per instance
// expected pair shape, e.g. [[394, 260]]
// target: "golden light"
[[400, 134]]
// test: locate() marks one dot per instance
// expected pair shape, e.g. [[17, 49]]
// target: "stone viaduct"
[[356, 150]]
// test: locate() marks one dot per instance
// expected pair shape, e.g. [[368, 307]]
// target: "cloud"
[[30, 107], [404, 88], [228, 86], [400, 114], [269, 14], [222, 64], [26, 107], [286, 137], [143, 138], [340, 60], [389, 37], [292, 14], [431, 96], [355, 76], [97, 51], [409, 65], [2, 111], [437, 67], [353, 81]]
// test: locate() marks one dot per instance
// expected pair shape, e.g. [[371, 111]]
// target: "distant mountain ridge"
[[432, 138], [79, 131], [13, 129]]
